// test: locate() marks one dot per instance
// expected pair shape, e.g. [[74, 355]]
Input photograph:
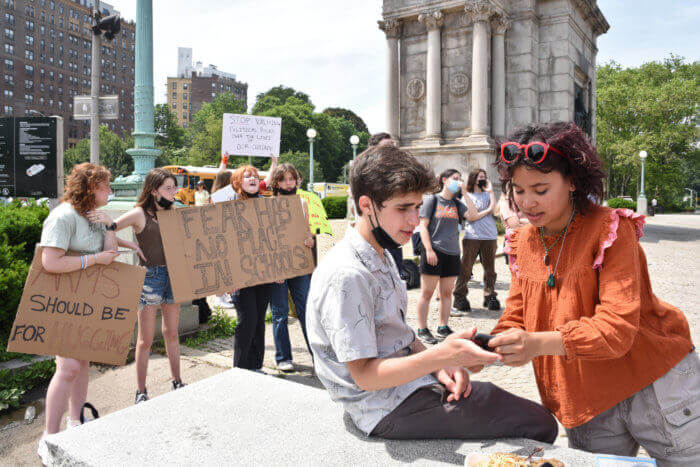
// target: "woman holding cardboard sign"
[[252, 302], [284, 180], [158, 194], [77, 226]]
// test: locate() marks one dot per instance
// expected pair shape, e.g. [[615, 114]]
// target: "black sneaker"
[[427, 337], [462, 304], [491, 302], [177, 384], [444, 331], [141, 396]]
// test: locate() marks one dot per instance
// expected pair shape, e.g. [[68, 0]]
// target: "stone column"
[[480, 12], [498, 80], [433, 108], [392, 29]]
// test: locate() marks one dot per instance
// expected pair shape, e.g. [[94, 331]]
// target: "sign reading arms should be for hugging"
[[88, 314]]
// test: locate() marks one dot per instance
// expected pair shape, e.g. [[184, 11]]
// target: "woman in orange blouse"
[[615, 364]]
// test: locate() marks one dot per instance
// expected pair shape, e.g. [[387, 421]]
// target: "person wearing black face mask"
[[158, 194], [283, 181], [366, 354]]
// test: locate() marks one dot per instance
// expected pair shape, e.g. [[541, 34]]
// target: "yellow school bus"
[[188, 176]]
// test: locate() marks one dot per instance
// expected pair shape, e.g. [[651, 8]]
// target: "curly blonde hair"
[[81, 183]]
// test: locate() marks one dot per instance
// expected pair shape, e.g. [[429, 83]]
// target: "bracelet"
[[83, 261]]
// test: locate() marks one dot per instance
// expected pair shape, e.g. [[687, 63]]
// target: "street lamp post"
[[311, 134], [354, 141], [642, 199]]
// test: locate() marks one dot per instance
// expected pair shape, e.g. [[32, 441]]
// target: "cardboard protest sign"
[[249, 135], [220, 247], [88, 314], [318, 218]]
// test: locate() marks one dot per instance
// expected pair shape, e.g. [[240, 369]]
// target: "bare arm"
[[134, 218], [273, 166], [55, 261], [372, 374], [425, 234], [473, 213]]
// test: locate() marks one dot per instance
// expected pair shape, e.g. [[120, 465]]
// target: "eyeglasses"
[[535, 152]]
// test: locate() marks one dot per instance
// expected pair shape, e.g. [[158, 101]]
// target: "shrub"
[[14, 384], [336, 206], [13, 273], [617, 203], [21, 226]]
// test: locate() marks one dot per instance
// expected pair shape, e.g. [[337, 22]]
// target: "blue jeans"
[[299, 289]]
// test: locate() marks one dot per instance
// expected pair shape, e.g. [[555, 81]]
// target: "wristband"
[[224, 159], [83, 262], [112, 226]]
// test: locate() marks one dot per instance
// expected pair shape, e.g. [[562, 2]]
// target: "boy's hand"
[[432, 258], [456, 380], [459, 350], [517, 347]]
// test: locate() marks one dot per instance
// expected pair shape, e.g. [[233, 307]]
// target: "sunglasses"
[[535, 152]]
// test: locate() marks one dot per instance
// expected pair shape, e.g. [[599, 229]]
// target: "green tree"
[[350, 116], [112, 153], [300, 160], [277, 96], [205, 130], [653, 107]]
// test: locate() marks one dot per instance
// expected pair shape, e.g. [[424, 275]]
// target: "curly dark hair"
[[81, 183], [383, 172], [580, 162]]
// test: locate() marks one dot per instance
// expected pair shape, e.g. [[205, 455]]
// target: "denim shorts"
[[156, 287]]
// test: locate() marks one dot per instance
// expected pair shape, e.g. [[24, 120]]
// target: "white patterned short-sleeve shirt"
[[356, 309]]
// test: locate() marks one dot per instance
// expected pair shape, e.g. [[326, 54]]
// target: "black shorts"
[[447, 265]]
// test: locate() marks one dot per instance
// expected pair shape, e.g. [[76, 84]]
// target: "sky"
[[333, 50]]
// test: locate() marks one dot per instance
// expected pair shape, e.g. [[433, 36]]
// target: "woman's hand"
[[456, 380], [517, 347], [99, 217], [106, 257], [488, 188], [432, 258], [309, 242]]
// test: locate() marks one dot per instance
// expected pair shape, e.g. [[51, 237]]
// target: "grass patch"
[[221, 326], [14, 384]]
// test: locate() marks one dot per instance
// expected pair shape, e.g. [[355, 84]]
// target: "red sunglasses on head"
[[536, 151]]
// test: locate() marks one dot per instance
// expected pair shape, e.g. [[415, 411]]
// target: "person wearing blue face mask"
[[480, 238], [440, 217]]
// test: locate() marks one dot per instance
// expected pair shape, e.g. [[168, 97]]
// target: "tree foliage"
[[653, 107], [204, 133], [350, 116], [112, 153]]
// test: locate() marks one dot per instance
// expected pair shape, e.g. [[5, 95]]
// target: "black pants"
[[249, 340], [489, 412]]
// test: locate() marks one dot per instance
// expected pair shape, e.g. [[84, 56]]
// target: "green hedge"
[[336, 206], [21, 225], [617, 203], [20, 231]]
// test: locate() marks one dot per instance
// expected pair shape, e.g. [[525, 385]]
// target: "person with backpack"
[[440, 216]]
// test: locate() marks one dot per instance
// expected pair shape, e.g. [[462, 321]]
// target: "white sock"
[[72, 423]]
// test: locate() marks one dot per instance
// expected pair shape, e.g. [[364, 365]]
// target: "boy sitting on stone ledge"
[[366, 355]]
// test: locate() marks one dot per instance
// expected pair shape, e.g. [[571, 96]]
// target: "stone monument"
[[462, 73]]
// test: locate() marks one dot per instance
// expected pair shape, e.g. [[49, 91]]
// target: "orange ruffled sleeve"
[[513, 315], [611, 331]]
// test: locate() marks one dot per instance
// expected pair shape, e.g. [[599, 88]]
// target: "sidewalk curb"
[[210, 358]]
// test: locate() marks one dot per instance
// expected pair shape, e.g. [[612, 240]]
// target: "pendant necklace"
[[551, 282]]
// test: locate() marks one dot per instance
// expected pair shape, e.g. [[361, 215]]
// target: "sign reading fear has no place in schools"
[[220, 247], [249, 135], [87, 314]]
